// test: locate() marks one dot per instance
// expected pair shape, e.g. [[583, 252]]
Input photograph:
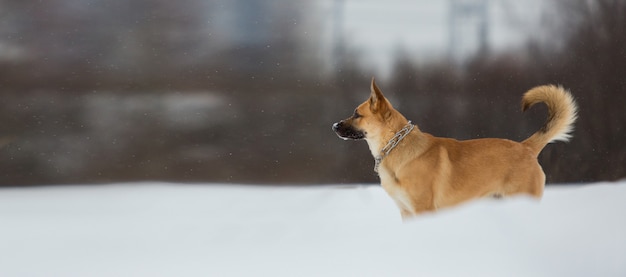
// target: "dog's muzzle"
[[346, 131]]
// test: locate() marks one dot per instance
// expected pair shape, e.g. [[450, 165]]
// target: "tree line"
[[89, 99]]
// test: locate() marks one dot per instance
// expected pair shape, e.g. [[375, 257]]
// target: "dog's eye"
[[356, 115]]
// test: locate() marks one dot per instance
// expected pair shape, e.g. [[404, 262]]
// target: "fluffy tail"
[[562, 112]]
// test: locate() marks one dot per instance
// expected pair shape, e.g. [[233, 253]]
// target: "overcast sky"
[[379, 28]]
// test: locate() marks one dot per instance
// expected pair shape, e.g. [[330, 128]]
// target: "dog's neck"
[[380, 151]]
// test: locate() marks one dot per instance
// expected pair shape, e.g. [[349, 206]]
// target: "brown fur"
[[424, 173]]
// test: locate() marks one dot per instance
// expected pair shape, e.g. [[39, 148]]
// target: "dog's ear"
[[376, 97], [378, 102]]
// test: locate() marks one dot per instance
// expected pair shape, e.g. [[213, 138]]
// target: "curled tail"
[[562, 112]]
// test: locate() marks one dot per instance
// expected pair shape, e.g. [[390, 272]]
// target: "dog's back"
[[483, 167]]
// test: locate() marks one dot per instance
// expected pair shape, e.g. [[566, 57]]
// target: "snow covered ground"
[[157, 229]]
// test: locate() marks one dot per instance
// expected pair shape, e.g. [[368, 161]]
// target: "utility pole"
[[468, 28], [338, 35]]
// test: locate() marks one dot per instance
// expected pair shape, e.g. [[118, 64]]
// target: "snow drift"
[[155, 229]]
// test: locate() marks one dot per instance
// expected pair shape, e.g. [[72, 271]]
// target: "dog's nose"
[[336, 126]]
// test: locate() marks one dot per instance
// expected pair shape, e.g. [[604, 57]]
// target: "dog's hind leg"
[[533, 187]]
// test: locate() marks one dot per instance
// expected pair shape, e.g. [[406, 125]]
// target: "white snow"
[[157, 229]]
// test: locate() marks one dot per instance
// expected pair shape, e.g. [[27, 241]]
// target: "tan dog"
[[423, 173]]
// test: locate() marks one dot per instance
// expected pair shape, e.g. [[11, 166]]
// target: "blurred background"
[[246, 91]]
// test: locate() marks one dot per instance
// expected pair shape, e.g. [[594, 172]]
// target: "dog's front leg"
[[406, 215], [416, 209]]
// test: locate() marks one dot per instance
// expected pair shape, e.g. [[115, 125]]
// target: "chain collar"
[[392, 143]]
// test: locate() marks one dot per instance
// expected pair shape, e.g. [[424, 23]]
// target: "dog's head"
[[370, 119]]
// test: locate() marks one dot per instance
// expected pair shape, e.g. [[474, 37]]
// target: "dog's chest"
[[395, 191]]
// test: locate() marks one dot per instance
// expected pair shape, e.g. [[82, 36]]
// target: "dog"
[[423, 173]]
